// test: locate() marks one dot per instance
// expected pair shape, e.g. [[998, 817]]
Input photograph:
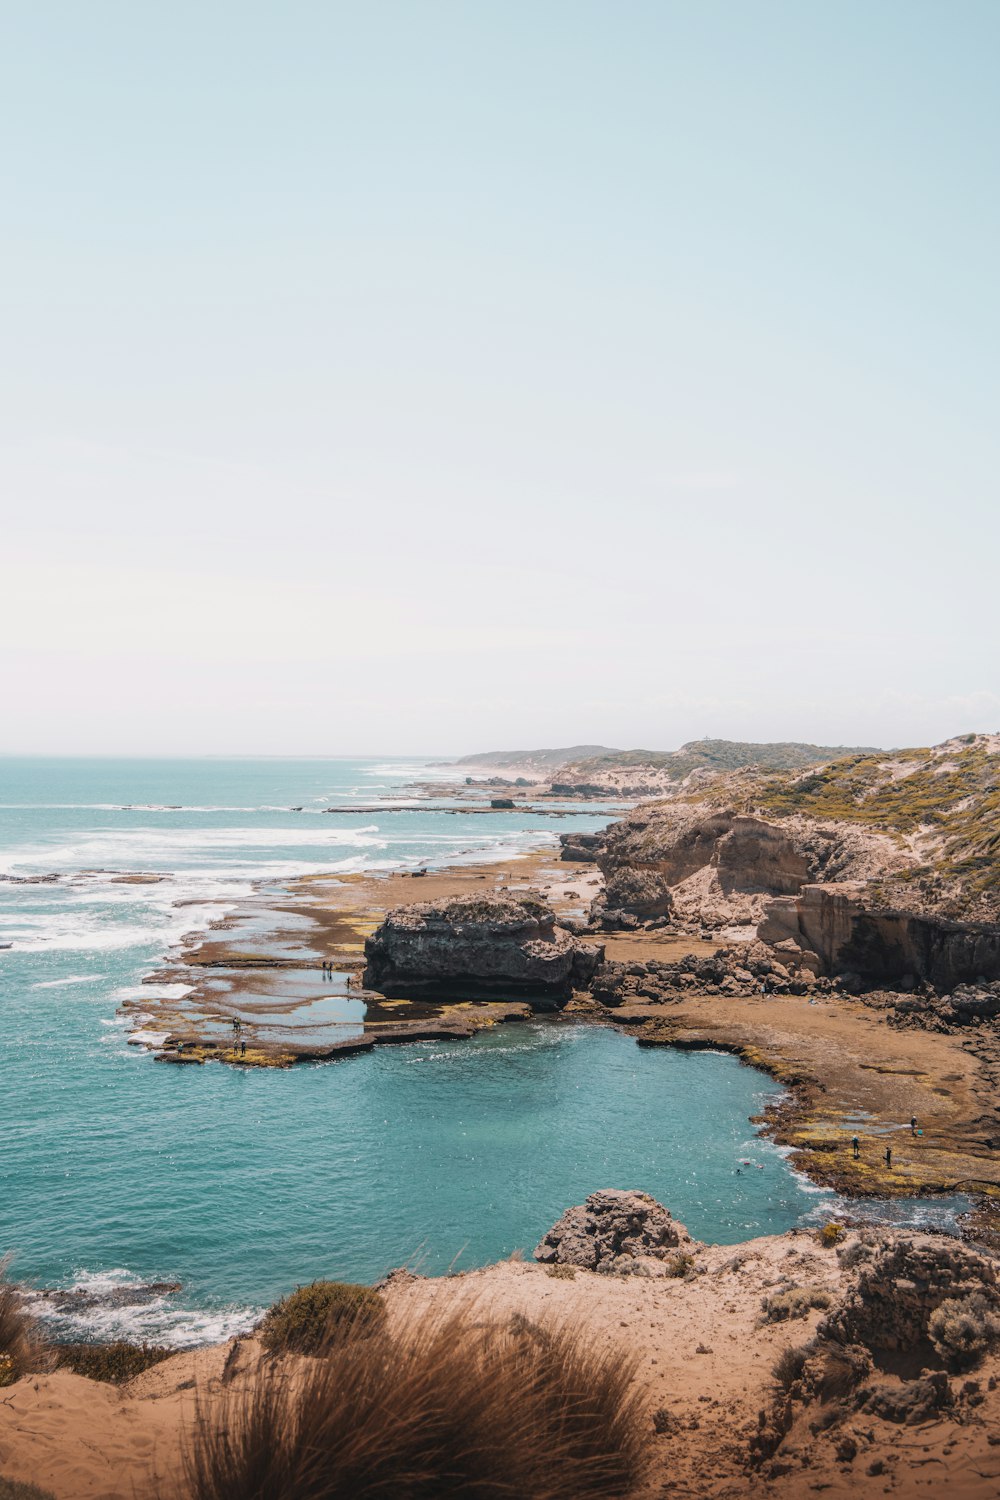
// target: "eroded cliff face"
[[723, 866], [496, 945], [838, 923]]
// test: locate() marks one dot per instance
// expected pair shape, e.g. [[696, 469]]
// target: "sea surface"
[[241, 1184]]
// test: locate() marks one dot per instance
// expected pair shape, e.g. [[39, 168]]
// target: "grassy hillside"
[[536, 760], [944, 802], [713, 755]]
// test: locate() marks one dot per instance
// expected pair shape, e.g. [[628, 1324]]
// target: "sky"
[[451, 375]]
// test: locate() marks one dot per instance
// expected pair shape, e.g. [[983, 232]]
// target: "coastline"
[[719, 1427], [845, 1070]]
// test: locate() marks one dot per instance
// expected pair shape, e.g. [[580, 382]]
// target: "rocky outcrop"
[[749, 969], [631, 891], [724, 867], [580, 845], [494, 945], [837, 922], [618, 1233], [901, 1282]]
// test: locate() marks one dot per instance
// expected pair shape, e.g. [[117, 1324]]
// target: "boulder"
[[633, 891], [495, 944], [617, 1233], [580, 845]]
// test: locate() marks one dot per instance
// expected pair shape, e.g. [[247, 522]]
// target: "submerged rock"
[[618, 1233], [494, 944]]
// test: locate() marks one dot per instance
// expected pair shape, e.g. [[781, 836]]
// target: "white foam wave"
[[58, 984], [131, 848], [161, 1321]]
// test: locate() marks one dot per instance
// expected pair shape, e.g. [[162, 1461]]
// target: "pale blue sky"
[[441, 375]]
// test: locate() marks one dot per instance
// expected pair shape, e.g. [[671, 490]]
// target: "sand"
[[704, 1369]]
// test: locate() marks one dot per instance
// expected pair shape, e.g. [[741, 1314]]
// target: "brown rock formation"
[[494, 945], [849, 935], [618, 1233]]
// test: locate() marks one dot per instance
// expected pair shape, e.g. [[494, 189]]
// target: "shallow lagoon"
[[241, 1183]]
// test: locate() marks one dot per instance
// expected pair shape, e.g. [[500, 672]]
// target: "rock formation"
[[618, 1233], [850, 935], [632, 892], [902, 1280], [494, 945]]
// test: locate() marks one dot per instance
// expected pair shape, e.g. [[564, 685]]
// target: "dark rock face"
[[494, 945], [617, 1233], [900, 1284], [580, 845], [749, 853], [748, 969], [834, 921], [76, 1300], [912, 1402], [635, 891]]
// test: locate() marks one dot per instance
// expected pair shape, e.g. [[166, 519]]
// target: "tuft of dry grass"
[[449, 1405], [788, 1366], [794, 1302], [22, 1347]]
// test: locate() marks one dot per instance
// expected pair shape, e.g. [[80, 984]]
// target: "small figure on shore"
[[913, 1124], [856, 1144], [888, 1156], [243, 1049]]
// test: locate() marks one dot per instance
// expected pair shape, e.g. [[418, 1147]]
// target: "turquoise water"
[[115, 1170]]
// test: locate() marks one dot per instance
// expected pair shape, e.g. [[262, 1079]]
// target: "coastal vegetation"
[[445, 1405], [22, 1347], [12, 1489], [944, 803], [307, 1319], [114, 1363]]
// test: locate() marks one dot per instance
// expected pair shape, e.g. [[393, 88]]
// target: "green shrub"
[[114, 1363], [305, 1321], [964, 1329], [831, 1234]]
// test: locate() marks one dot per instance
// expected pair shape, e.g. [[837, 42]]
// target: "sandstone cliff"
[[883, 865]]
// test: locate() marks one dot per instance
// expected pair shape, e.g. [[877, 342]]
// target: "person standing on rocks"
[[888, 1157], [856, 1144]]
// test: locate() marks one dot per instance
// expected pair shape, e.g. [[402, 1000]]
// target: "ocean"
[[240, 1184]]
